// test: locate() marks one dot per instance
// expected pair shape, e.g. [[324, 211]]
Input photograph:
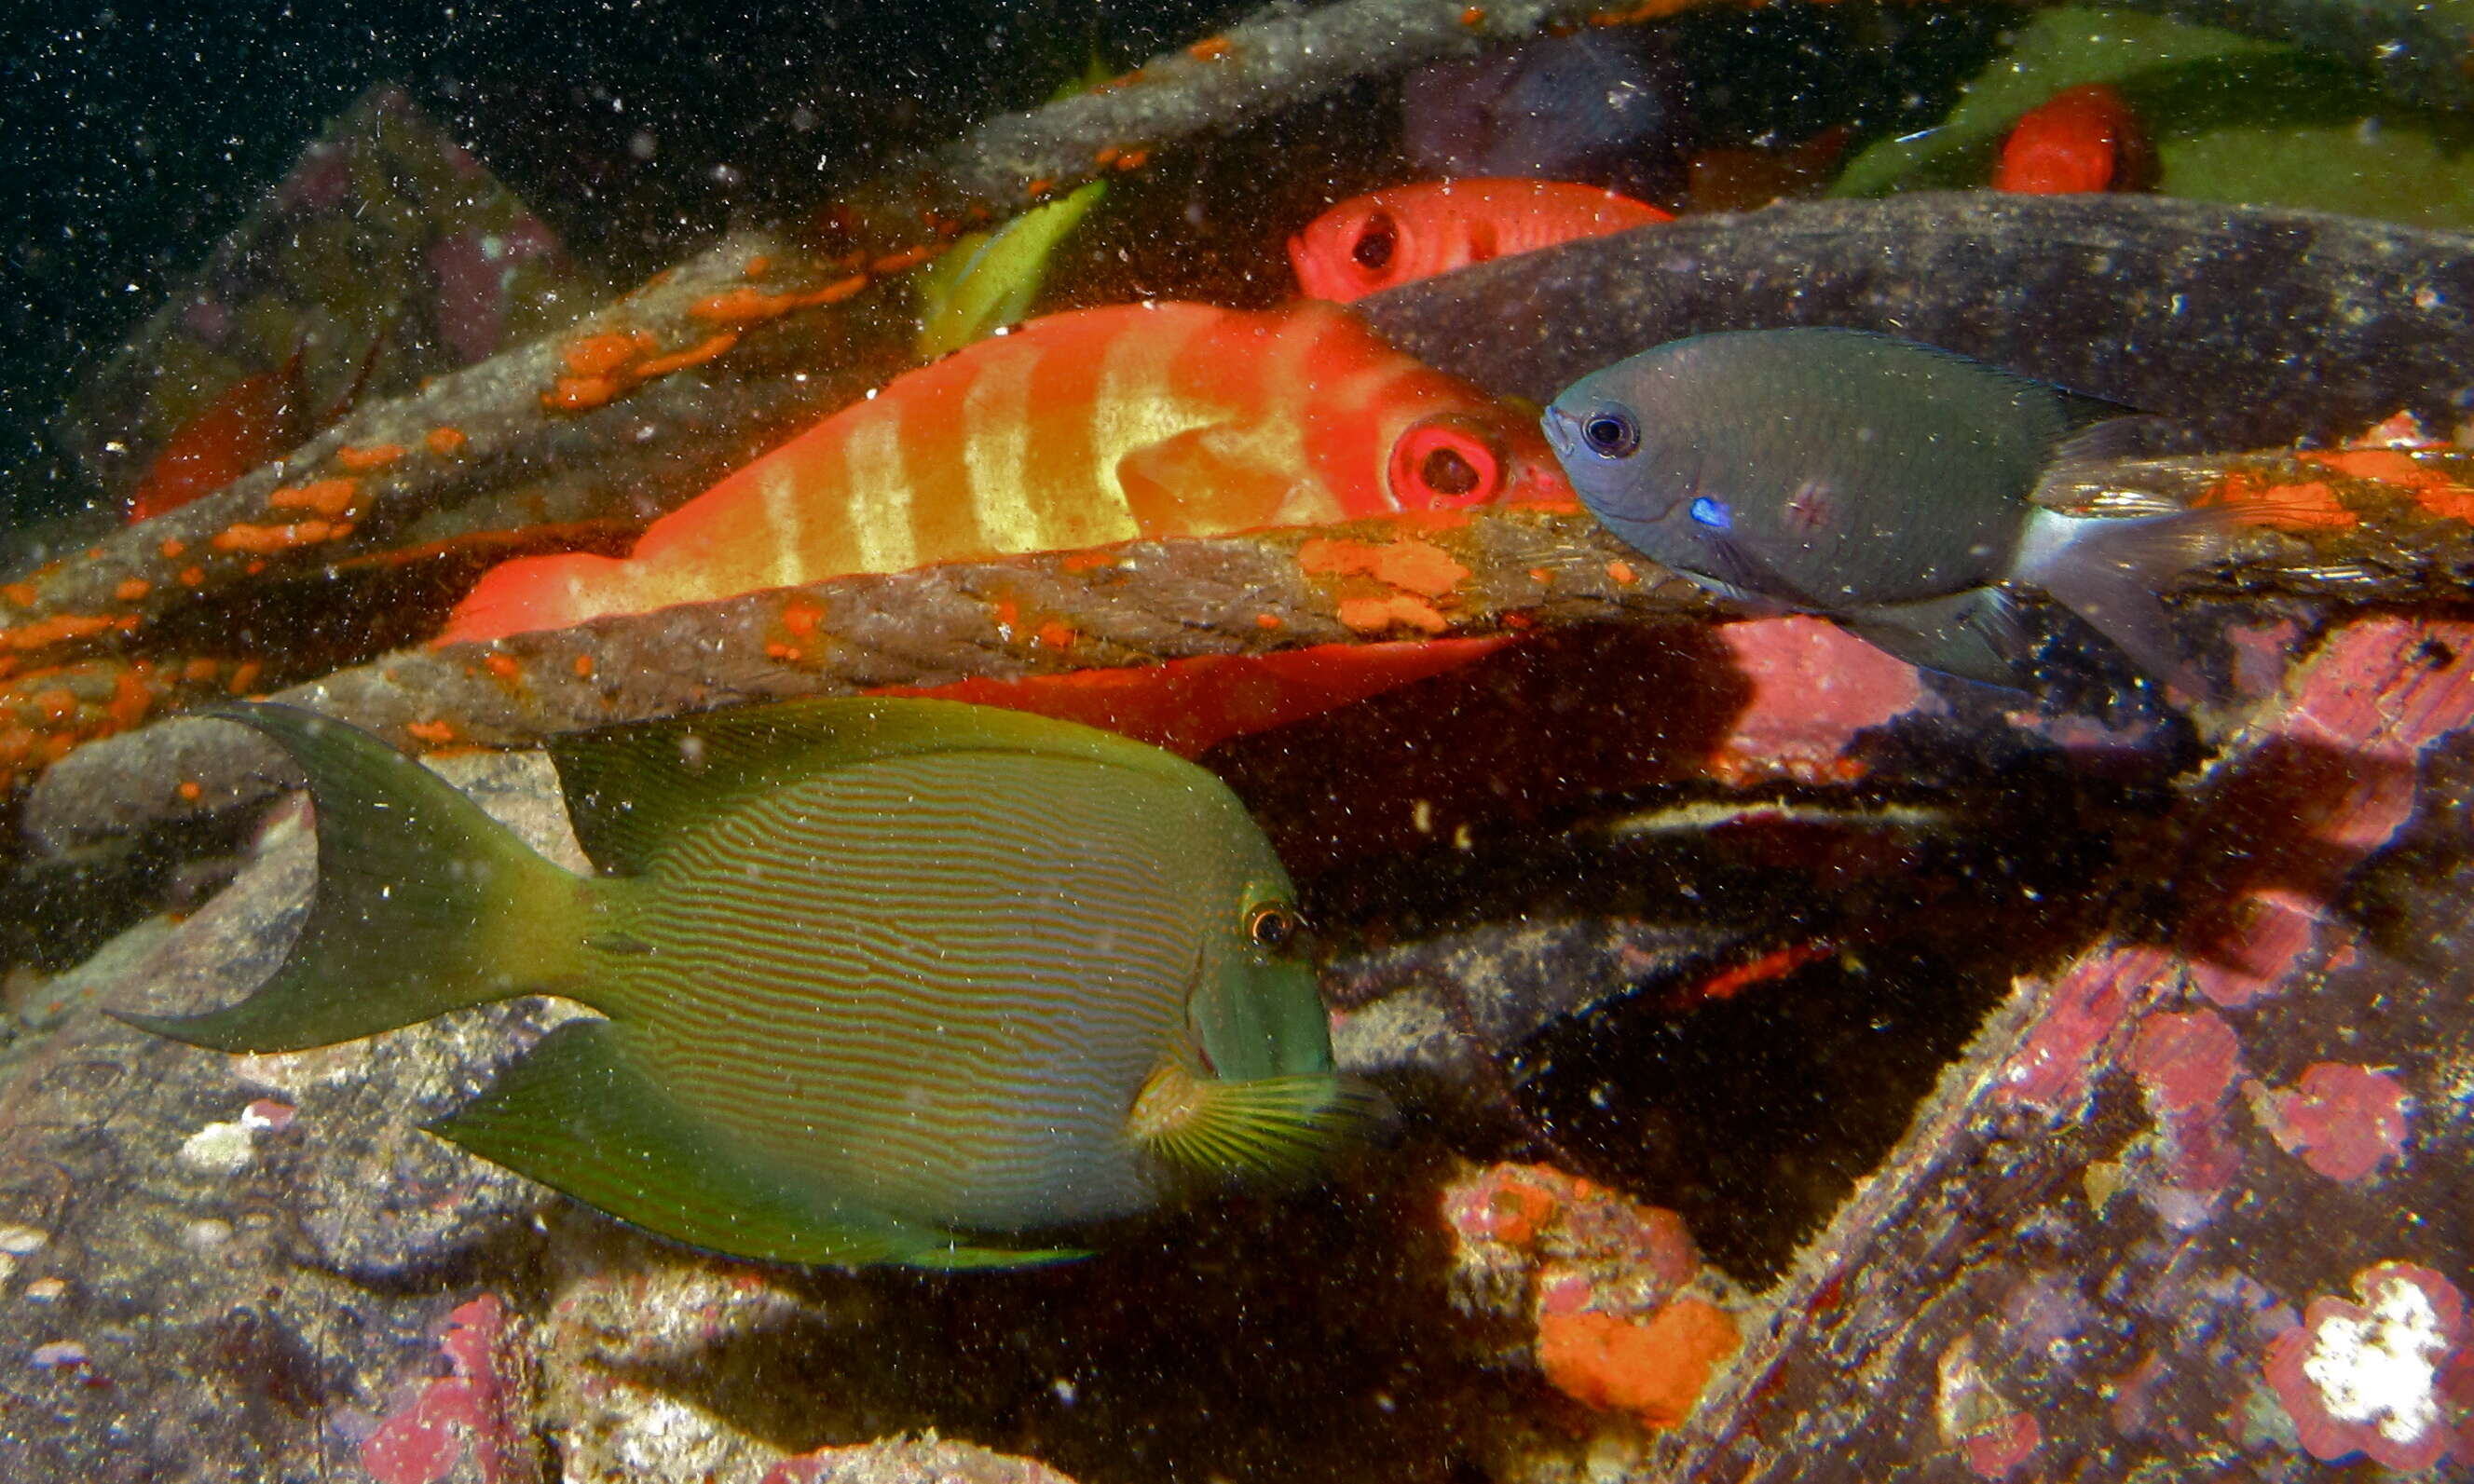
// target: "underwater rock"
[[2090, 1251], [927, 1459], [1607, 1297], [2256, 326]]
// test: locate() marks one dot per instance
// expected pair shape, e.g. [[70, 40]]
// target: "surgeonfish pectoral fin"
[[1973, 634], [2109, 570], [580, 1114], [424, 903], [1263, 1128]]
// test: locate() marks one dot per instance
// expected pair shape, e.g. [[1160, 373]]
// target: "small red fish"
[[1080, 429], [249, 422], [1191, 705], [1414, 232], [2080, 139]]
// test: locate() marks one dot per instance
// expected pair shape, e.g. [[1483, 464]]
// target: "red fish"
[[1191, 705], [249, 422], [2080, 139], [1414, 232], [1078, 429]]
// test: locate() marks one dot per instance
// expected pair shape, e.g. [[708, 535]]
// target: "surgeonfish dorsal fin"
[[633, 789], [1260, 1128], [579, 1115], [424, 903]]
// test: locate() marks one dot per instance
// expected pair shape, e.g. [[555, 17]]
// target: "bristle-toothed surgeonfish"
[[882, 980]]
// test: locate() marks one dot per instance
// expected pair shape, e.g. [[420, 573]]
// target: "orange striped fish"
[[1079, 429], [1414, 232]]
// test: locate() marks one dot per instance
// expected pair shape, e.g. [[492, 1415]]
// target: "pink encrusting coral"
[[2344, 1122], [2390, 1378], [465, 1414]]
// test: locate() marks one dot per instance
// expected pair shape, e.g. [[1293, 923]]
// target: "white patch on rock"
[[2384, 1367], [219, 1149]]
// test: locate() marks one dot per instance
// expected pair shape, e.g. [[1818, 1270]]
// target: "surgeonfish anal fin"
[[424, 903], [2108, 569], [1262, 1128], [633, 789], [1973, 634], [1212, 478], [580, 1114]]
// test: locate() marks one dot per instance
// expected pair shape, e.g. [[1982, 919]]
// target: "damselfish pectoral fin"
[[1213, 479], [1261, 1128], [1973, 634], [580, 1114]]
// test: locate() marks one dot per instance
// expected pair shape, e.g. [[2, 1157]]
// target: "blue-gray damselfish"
[[1887, 485]]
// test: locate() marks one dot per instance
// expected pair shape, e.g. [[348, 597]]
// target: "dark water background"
[[138, 135]]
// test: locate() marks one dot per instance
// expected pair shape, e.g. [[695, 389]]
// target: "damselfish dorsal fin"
[[580, 1114], [633, 789], [423, 904]]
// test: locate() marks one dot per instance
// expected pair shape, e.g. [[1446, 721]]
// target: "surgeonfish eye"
[[1445, 463], [1611, 433], [1376, 242], [1272, 925]]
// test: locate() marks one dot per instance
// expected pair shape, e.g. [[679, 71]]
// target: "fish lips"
[[1562, 433]]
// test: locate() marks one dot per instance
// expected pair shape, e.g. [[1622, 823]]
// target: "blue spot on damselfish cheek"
[[1711, 514]]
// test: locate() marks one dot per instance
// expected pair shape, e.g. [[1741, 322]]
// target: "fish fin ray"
[[2109, 570], [395, 933], [1260, 1128], [580, 1114], [633, 789], [1973, 634]]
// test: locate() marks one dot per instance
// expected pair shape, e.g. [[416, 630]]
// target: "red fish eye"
[[1443, 464], [1376, 242]]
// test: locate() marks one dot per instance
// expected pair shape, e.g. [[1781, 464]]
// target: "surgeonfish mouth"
[[1114, 1015]]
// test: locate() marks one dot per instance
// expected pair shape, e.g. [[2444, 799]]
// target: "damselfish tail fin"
[[425, 904], [2109, 570]]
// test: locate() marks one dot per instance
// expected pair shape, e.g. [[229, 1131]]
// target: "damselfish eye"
[[1272, 926], [1376, 242], [1612, 433]]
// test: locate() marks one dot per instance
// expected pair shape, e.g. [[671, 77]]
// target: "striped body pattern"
[[1079, 429], [1041, 1006], [1396, 236], [882, 977]]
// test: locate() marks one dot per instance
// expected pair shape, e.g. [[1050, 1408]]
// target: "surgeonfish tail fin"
[[424, 903], [1263, 1128], [2109, 570]]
